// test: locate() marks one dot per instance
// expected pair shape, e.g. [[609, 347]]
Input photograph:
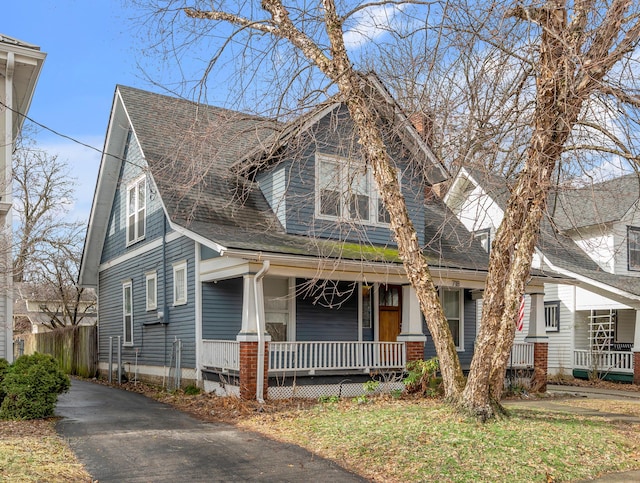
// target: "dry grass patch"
[[32, 451], [390, 440], [629, 408]]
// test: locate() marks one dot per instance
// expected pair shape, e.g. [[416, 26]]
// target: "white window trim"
[[176, 268], [556, 305], [151, 276], [373, 194], [127, 284], [482, 233], [636, 230], [134, 186], [459, 348]]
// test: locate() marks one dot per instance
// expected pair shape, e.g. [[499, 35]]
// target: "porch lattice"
[[602, 326]]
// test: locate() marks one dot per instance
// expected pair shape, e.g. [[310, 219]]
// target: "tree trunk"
[[557, 109], [364, 117]]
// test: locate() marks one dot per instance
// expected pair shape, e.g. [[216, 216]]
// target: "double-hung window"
[[152, 290], [346, 190], [180, 283], [453, 309], [277, 307], [633, 248], [136, 210], [127, 312]]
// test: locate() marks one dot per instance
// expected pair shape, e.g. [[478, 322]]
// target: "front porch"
[[607, 343], [316, 368], [607, 365]]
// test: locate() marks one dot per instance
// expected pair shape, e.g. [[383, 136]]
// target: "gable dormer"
[[476, 205]]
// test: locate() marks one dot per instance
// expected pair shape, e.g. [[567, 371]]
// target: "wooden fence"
[[75, 348]]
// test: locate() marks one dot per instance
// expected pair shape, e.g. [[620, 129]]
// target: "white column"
[[249, 330], [636, 333], [537, 331], [411, 317]]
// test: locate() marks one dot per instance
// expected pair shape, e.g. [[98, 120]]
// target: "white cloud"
[[370, 24], [83, 164]]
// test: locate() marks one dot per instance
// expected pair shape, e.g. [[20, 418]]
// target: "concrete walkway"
[[124, 436]]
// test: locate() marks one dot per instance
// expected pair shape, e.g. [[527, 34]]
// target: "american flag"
[[520, 319]]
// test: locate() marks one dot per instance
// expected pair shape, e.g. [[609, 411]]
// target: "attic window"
[[346, 190], [633, 248], [136, 210], [484, 237]]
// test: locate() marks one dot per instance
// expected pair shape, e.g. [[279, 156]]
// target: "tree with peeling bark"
[[576, 50]]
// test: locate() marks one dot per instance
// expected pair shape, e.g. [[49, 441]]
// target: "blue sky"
[[89, 50], [91, 46]]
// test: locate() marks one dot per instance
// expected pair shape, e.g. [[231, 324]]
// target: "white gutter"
[[595, 284], [259, 302]]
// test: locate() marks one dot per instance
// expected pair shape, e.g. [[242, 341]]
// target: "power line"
[[64, 136]]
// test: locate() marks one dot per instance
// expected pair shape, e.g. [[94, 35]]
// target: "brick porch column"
[[540, 365], [537, 336], [411, 333], [252, 311], [636, 368], [414, 350], [249, 368]]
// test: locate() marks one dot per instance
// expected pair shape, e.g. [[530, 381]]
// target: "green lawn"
[[389, 440]]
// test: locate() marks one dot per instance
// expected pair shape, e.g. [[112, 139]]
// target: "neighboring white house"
[[592, 235], [20, 65]]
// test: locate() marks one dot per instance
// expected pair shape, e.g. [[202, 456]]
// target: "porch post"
[[248, 339], [636, 350], [411, 333], [538, 337]]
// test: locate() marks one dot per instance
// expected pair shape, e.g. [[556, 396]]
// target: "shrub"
[[4, 367], [31, 386], [191, 390], [421, 377]]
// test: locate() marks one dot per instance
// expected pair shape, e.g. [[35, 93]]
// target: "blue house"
[[255, 258]]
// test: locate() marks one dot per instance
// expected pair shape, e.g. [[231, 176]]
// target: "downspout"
[[259, 304]]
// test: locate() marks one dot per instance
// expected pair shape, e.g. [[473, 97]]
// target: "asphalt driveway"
[[124, 436]]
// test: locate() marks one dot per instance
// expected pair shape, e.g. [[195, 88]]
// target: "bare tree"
[[43, 191], [577, 53], [47, 248]]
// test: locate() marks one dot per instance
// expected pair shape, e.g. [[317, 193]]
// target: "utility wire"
[[57, 133]]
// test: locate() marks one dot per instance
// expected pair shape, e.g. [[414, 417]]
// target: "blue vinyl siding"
[[469, 333], [151, 339], [222, 309], [317, 322], [333, 135], [115, 243]]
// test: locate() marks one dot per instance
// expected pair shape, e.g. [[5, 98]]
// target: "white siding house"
[[593, 237], [20, 65]]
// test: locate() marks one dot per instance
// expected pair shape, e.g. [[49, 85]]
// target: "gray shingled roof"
[[598, 203], [215, 203]]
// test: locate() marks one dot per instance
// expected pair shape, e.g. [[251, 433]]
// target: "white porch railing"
[[221, 354], [616, 361], [327, 356], [521, 356]]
